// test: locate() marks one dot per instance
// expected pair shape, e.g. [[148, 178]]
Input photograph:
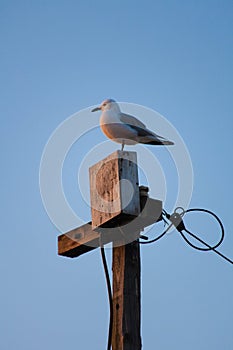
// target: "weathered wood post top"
[[114, 189]]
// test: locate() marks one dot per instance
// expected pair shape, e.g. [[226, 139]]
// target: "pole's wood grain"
[[126, 297]]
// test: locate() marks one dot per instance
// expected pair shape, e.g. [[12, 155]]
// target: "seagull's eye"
[[104, 104]]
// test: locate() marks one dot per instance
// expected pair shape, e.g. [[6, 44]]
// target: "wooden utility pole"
[[126, 297], [120, 211], [115, 194]]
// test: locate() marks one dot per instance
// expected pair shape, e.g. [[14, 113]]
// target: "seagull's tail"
[[159, 142], [148, 137]]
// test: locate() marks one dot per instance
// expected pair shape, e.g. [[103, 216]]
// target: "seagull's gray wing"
[[144, 135], [130, 120], [137, 125]]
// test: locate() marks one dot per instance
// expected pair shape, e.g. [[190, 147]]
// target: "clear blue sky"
[[58, 57]]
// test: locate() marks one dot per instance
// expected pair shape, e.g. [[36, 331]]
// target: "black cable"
[[176, 220], [109, 293], [157, 238], [219, 221], [209, 247], [206, 244]]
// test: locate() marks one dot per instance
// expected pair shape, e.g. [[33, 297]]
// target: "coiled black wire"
[[181, 227], [209, 247], [200, 240]]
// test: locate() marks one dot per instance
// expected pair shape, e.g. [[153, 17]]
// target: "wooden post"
[[115, 196], [126, 297], [120, 211]]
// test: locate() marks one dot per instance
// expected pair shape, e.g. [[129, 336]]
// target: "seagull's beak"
[[96, 109]]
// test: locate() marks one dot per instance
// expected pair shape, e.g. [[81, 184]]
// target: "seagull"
[[124, 128]]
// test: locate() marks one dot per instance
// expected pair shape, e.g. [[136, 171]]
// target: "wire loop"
[[176, 220], [209, 247]]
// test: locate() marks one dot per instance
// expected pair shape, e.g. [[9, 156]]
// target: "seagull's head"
[[107, 105]]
